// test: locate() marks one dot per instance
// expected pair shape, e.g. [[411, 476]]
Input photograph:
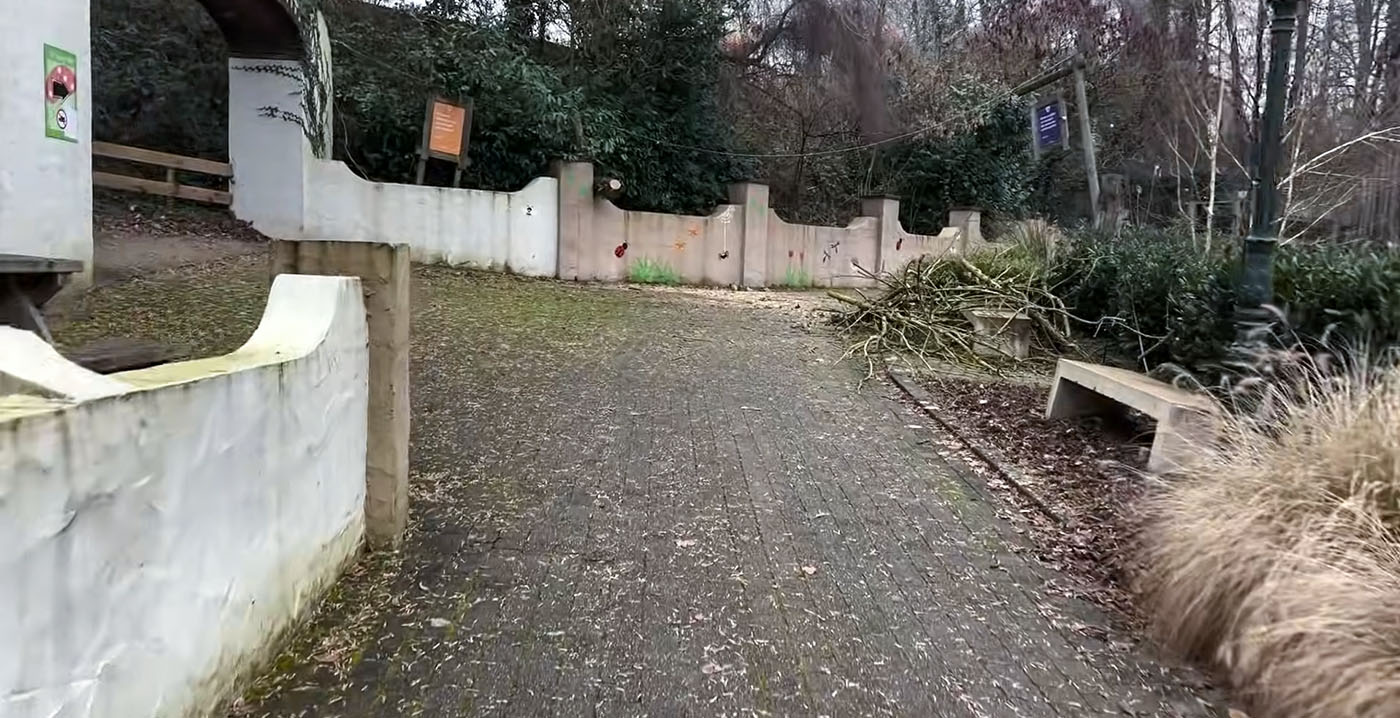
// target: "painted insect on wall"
[[724, 220]]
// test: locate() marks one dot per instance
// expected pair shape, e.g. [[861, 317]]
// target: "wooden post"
[[174, 187], [1087, 138], [466, 138], [423, 143], [383, 270], [1076, 68]]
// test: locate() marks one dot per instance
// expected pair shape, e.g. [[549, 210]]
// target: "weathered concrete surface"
[[1184, 418], [513, 231], [743, 242], [160, 530], [635, 503], [45, 182], [383, 271]]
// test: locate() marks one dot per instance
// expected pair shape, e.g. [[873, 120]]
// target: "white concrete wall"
[[269, 154], [516, 231], [155, 540], [45, 183]]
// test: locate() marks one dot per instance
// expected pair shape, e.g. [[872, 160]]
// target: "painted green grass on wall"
[[797, 277], [651, 271]]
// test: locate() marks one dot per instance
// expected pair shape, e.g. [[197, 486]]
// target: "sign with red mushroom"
[[60, 94]]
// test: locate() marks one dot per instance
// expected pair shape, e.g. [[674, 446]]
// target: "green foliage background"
[[988, 166], [1158, 280], [635, 93], [160, 70]]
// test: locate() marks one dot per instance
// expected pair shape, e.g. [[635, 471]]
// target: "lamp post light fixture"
[[1257, 278]]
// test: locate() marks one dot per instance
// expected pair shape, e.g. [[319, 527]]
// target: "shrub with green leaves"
[[1181, 299], [987, 166], [1177, 297], [1349, 291]]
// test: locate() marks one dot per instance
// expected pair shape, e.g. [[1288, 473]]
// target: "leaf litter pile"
[[1087, 471]]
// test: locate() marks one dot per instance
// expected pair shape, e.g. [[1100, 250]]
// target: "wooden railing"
[[171, 187]]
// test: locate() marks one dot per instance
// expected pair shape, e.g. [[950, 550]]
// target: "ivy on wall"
[[313, 75], [316, 72]]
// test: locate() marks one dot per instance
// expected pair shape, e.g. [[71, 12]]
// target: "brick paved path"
[[637, 503]]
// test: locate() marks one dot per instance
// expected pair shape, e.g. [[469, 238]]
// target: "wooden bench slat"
[[163, 159], [165, 189], [26, 264]]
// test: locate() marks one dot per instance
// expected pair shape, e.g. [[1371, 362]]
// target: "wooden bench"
[[26, 283], [1184, 419]]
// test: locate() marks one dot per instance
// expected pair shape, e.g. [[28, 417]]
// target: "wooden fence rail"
[[171, 187]]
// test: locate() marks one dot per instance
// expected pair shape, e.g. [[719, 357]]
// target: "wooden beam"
[[163, 159], [164, 189], [1039, 81]]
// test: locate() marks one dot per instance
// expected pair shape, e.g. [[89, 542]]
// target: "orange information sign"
[[445, 131]]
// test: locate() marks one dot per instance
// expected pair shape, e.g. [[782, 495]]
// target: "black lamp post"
[[1257, 279]]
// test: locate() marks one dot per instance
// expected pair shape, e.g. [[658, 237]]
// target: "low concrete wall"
[[697, 250], [909, 246], [556, 226], [740, 243], [514, 231], [159, 528], [804, 255]]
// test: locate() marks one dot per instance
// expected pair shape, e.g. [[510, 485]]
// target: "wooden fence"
[[171, 187]]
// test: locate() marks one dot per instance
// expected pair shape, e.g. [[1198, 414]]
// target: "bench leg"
[[1068, 400], [1178, 440], [17, 309]]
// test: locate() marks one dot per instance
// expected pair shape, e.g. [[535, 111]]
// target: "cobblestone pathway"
[[639, 503]]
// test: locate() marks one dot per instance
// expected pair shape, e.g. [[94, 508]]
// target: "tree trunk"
[[1260, 70], [1214, 154], [1365, 55], [1390, 104], [797, 179], [1300, 54], [1237, 97]]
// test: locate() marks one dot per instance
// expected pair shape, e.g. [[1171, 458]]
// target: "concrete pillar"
[[886, 212], [383, 270], [575, 215], [969, 220], [46, 181], [269, 152], [752, 229]]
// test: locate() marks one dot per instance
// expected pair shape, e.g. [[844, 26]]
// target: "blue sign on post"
[[1048, 125]]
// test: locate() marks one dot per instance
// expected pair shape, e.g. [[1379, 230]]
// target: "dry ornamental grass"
[[1275, 557]]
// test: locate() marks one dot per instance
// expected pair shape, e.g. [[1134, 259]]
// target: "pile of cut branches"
[[921, 311]]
